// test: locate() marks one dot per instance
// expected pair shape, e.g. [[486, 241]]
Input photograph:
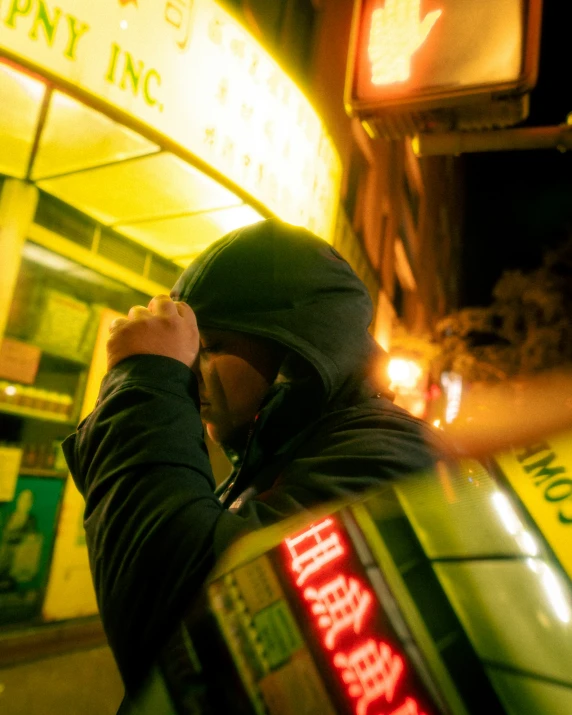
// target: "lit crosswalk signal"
[[442, 64]]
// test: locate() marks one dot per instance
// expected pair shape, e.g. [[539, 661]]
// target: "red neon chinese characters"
[[409, 707], [371, 672], [313, 549], [340, 604]]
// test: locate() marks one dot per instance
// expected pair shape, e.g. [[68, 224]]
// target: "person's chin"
[[212, 431], [216, 432], [229, 438]]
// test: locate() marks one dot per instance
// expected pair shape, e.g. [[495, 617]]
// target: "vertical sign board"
[[308, 633], [70, 592], [369, 668], [431, 53], [541, 475]]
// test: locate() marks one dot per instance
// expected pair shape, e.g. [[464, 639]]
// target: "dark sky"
[[519, 203]]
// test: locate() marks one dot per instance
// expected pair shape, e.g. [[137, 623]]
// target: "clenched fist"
[[163, 328]]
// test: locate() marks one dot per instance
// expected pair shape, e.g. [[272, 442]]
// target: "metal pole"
[[559, 137]]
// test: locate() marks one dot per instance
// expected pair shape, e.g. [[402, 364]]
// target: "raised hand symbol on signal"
[[396, 33]]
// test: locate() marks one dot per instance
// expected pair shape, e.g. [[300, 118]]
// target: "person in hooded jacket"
[[265, 341]]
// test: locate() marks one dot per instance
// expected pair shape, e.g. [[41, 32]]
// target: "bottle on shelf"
[[26, 396], [30, 455], [51, 403], [66, 405]]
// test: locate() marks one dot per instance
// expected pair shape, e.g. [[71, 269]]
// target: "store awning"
[[111, 173], [170, 138]]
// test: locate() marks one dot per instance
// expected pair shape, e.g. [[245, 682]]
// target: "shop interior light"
[[53, 261], [47, 259], [20, 101], [34, 88], [75, 138]]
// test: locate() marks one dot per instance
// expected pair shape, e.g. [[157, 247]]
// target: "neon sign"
[[396, 33], [358, 642], [340, 603], [372, 671], [316, 550]]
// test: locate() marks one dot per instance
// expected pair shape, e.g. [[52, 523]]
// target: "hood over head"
[[279, 281]]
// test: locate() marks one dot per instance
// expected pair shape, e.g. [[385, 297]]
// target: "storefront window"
[[45, 358]]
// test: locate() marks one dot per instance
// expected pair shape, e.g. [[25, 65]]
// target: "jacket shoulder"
[[373, 424], [356, 449]]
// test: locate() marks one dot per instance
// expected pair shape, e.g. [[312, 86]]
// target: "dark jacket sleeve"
[[140, 461], [154, 526]]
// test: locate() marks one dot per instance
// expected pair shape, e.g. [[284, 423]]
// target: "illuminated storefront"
[[449, 593], [132, 135], [445, 593]]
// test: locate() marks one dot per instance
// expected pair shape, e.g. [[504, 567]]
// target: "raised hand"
[[165, 327]]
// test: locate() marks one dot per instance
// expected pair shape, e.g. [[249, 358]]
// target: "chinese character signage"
[[434, 52], [188, 72], [359, 644]]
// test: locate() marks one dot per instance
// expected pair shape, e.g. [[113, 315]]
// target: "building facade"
[[400, 217], [132, 136]]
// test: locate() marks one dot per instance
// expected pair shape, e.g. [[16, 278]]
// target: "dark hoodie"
[[154, 524]]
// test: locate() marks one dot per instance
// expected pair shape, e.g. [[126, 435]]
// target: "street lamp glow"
[[403, 373]]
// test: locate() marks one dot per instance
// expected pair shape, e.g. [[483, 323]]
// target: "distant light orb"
[[403, 373]]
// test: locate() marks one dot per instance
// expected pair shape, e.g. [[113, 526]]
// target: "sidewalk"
[[63, 669]]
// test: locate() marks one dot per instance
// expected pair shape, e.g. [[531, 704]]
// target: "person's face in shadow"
[[234, 372]]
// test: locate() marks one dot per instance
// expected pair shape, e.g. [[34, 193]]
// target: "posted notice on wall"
[[10, 458], [19, 361]]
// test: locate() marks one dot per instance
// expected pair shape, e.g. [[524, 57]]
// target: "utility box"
[[441, 65]]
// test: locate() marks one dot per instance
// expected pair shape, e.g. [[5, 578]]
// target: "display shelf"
[[78, 362], [49, 473], [30, 412]]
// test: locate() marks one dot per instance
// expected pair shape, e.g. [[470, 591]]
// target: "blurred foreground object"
[[514, 357], [408, 383], [445, 593], [498, 416]]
